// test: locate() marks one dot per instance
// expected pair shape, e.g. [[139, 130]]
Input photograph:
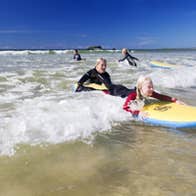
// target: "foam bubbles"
[[39, 120], [38, 106]]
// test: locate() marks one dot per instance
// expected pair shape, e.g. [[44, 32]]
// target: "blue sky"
[[60, 24]]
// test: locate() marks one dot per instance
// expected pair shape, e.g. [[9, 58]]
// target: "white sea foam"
[[41, 107], [26, 52], [178, 77], [40, 120]]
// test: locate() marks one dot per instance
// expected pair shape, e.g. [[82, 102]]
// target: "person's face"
[[101, 67], [147, 88], [124, 52]]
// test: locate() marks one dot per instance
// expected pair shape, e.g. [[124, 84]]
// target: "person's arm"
[[105, 79], [79, 57], [83, 79], [120, 60], [126, 107], [132, 57], [163, 97]]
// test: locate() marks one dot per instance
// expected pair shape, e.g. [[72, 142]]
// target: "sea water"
[[57, 142]]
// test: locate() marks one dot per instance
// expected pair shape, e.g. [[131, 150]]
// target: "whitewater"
[[38, 104]]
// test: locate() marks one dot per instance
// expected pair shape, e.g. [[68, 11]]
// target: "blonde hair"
[[139, 84], [124, 50], [99, 60]]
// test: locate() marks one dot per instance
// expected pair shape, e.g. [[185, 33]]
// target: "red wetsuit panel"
[[163, 97]]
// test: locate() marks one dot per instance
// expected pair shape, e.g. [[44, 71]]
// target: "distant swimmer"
[[77, 56], [128, 57], [99, 76]]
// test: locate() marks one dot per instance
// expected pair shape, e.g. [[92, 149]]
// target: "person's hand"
[[180, 102], [143, 115], [79, 88]]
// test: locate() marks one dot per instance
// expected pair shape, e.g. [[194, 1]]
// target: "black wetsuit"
[[94, 77], [130, 59], [77, 57]]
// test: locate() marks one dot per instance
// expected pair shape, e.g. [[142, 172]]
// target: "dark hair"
[[76, 50]]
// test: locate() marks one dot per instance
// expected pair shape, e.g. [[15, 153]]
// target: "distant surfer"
[[130, 59], [77, 56], [144, 89], [98, 75]]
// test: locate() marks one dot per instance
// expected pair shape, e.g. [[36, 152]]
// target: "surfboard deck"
[[161, 64], [96, 86], [93, 86], [170, 115]]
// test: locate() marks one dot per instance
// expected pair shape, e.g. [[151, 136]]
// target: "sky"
[[60, 24]]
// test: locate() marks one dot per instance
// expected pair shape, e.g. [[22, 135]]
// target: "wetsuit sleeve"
[[85, 77], [128, 55], [131, 97], [105, 79], [79, 57], [132, 57], [163, 97], [123, 58]]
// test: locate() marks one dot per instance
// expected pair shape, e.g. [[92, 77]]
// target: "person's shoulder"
[[128, 54], [154, 93], [106, 73], [132, 95], [90, 71]]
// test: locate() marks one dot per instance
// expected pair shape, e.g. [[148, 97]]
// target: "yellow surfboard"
[[171, 114], [161, 64], [96, 86], [93, 86]]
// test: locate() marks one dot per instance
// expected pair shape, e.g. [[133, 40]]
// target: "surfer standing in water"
[[77, 56], [98, 75], [144, 89], [128, 57]]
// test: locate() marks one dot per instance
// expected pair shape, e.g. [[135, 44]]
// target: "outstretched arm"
[[120, 60], [163, 97]]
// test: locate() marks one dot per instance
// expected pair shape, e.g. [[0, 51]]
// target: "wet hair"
[[139, 84], [76, 50]]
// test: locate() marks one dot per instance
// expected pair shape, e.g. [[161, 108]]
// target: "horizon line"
[[14, 49]]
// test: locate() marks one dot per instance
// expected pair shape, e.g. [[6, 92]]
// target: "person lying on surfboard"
[[128, 57], [98, 75], [144, 89]]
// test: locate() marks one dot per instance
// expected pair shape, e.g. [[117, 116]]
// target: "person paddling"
[[98, 75], [130, 59]]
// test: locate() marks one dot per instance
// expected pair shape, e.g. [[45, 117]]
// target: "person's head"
[[101, 65], [124, 51], [75, 51], [144, 87]]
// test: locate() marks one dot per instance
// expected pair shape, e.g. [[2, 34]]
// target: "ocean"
[[54, 141]]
